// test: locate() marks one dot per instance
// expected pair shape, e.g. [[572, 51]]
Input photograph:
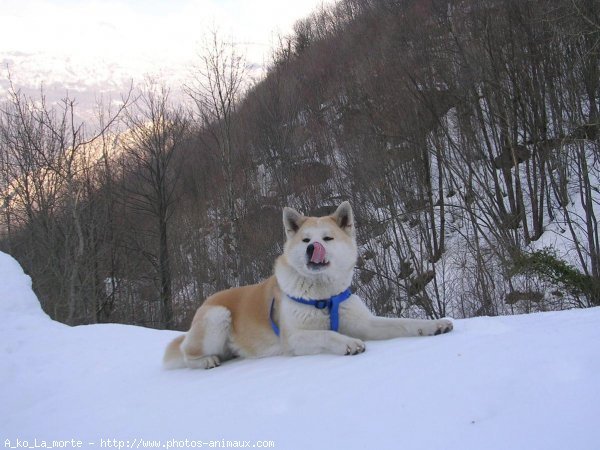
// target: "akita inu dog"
[[304, 309]]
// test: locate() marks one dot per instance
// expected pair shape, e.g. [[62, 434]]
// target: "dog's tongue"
[[318, 256]]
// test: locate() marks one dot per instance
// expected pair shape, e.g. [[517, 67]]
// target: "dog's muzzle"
[[316, 255]]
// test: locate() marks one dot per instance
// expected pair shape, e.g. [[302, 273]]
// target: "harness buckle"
[[321, 304]]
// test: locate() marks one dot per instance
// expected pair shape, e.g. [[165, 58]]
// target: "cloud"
[[83, 39]]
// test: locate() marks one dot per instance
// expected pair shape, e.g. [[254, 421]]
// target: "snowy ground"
[[521, 382]]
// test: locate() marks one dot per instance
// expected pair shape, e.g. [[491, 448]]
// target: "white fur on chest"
[[297, 316]]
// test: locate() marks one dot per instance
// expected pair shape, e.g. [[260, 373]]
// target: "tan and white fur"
[[236, 322]]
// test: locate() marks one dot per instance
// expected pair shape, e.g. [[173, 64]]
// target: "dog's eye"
[[328, 238], [306, 240]]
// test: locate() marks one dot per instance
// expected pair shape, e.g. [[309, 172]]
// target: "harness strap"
[[332, 304], [273, 324]]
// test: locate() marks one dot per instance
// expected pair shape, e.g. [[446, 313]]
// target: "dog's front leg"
[[388, 328], [312, 342], [359, 322]]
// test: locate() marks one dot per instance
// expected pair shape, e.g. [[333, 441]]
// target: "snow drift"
[[520, 382]]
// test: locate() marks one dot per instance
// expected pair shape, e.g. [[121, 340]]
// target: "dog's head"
[[318, 246]]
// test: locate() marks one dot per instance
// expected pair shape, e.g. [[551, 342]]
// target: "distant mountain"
[[88, 80], [85, 81]]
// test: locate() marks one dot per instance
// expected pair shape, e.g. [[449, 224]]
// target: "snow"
[[518, 382]]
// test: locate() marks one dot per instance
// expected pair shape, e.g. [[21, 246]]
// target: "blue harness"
[[332, 304]]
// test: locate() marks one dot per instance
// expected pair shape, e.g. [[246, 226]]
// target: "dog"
[[305, 308]]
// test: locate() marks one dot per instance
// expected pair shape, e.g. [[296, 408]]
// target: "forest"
[[465, 134]]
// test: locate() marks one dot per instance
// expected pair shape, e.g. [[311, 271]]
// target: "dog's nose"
[[309, 250]]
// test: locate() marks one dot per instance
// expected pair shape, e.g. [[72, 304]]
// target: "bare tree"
[[217, 89], [156, 132], [47, 155]]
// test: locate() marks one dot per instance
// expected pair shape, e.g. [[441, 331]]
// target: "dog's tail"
[[173, 358]]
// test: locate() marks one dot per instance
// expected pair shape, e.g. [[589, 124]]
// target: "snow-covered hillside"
[[521, 382]]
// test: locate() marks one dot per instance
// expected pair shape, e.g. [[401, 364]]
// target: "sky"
[[81, 42]]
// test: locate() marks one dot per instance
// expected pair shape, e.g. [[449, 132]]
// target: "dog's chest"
[[307, 317]]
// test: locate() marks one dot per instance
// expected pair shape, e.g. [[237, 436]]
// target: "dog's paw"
[[354, 346], [212, 361], [205, 362], [443, 326]]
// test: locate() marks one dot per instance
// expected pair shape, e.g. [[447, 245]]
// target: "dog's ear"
[[292, 221], [344, 217]]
